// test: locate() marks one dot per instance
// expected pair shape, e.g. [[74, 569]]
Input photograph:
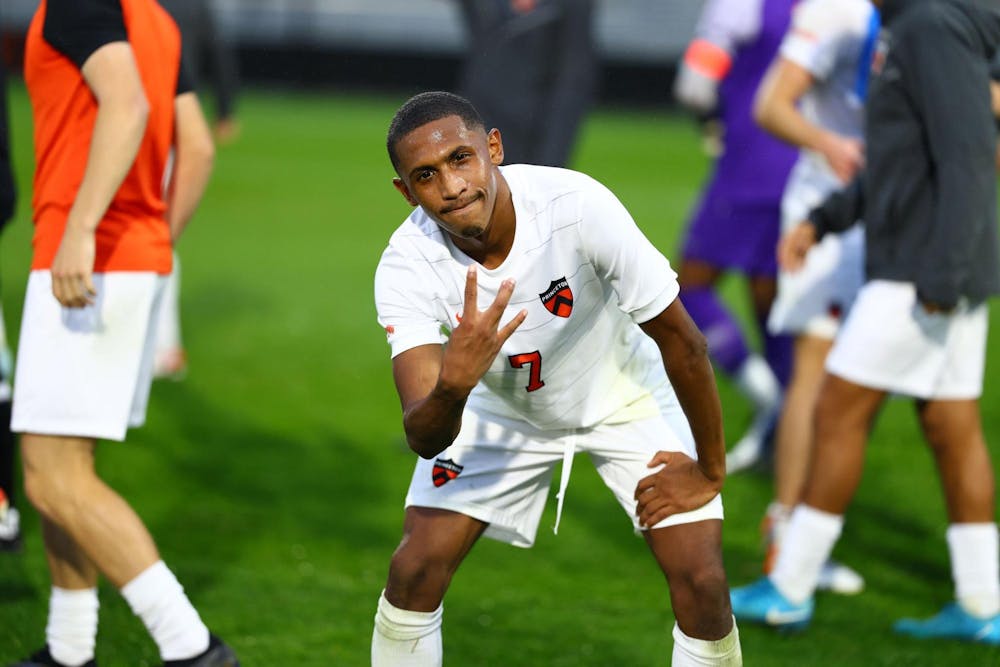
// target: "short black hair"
[[426, 108]]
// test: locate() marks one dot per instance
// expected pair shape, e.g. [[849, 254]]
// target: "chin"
[[473, 232]]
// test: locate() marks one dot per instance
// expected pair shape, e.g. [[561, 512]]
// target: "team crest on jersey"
[[558, 298], [444, 471]]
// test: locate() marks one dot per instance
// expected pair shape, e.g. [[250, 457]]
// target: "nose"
[[452, 185]]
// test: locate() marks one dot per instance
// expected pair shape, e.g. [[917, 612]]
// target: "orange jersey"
[[133, 234]]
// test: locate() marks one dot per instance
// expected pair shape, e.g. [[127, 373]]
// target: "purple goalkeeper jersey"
[[738, 219]]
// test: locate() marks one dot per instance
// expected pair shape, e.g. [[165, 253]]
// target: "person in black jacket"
[[918, 327], [531, 68]]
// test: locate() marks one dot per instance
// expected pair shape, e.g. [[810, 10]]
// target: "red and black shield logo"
[[558, 298], [444, 471]]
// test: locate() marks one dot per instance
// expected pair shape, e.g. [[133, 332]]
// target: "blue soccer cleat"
[[953, 622], [761, 602]]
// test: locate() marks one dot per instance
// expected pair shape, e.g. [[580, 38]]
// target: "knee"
[[52, 492], [701, 584], [416, 573]]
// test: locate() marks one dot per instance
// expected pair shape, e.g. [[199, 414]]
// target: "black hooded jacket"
[[928, 196]]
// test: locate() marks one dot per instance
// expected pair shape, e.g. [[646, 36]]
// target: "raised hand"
[[477, 339], [679, 486]]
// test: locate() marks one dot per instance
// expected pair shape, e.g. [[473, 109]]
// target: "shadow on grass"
[[242, 493]]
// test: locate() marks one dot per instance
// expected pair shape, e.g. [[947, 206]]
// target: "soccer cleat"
[[10, 530], [839, 578], [952, 622], [218, 654], [761, 602], [746, 453], [42, 658]]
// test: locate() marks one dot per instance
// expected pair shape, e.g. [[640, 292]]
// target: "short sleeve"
[[77, 28], [184, 82], [814, 37], [404, 305], [640, 275]]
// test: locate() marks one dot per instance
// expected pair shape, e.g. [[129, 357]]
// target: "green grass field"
[[273, 476]]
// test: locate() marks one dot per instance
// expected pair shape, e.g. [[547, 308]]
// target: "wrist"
[[79, 226], [451, 392], [714, 472]]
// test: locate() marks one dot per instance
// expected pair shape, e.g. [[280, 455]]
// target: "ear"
[[405, 191], [495, 143]]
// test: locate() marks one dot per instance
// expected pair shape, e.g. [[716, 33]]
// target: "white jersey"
[[833, 40], [586, 275]]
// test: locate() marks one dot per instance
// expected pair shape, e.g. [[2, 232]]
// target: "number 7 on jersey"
[[534, 362]]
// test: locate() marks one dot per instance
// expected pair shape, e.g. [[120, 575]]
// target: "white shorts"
[[815, 299], [499, 470], [86, 371], [890, 342]]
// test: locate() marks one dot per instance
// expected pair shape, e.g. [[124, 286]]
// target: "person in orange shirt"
[[110, 105]]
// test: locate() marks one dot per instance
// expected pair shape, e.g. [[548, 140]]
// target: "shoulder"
[[539, 189], [413, 248], [77, 28], [834, 16]]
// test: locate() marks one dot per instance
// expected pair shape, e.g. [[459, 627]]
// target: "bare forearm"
[[118, 132], [432, 424], [187, 187], [195, 153], [685, 357], [693, 380], [786, 123]]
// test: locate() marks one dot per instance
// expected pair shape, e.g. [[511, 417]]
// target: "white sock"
[[807, 544], [158, 599], [691, 652], [71, 632], [974, 556], [757, 382], [405, 638]]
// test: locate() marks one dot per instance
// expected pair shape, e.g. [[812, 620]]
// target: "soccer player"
[[530, 319], [109, 104], [813, 97], [735, 225], [918, 326]]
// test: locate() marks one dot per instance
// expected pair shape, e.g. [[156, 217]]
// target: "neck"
[[491, 249]]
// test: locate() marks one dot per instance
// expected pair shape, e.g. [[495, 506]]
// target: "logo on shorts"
[[558, 298], [444, 471]]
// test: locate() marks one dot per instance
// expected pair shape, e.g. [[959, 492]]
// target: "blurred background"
[[365, 44], [272, 470]]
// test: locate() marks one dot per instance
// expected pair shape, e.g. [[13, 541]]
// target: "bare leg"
[[696, 273], [87, 523], [795, 427], [844, 415], [763, 290], [433, 546], [955, 434], [690, 556]]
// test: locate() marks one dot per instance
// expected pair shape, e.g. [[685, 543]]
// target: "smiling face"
[[450, 170]]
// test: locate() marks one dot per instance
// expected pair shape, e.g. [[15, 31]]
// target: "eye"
[[425, 175], [462, 156]]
